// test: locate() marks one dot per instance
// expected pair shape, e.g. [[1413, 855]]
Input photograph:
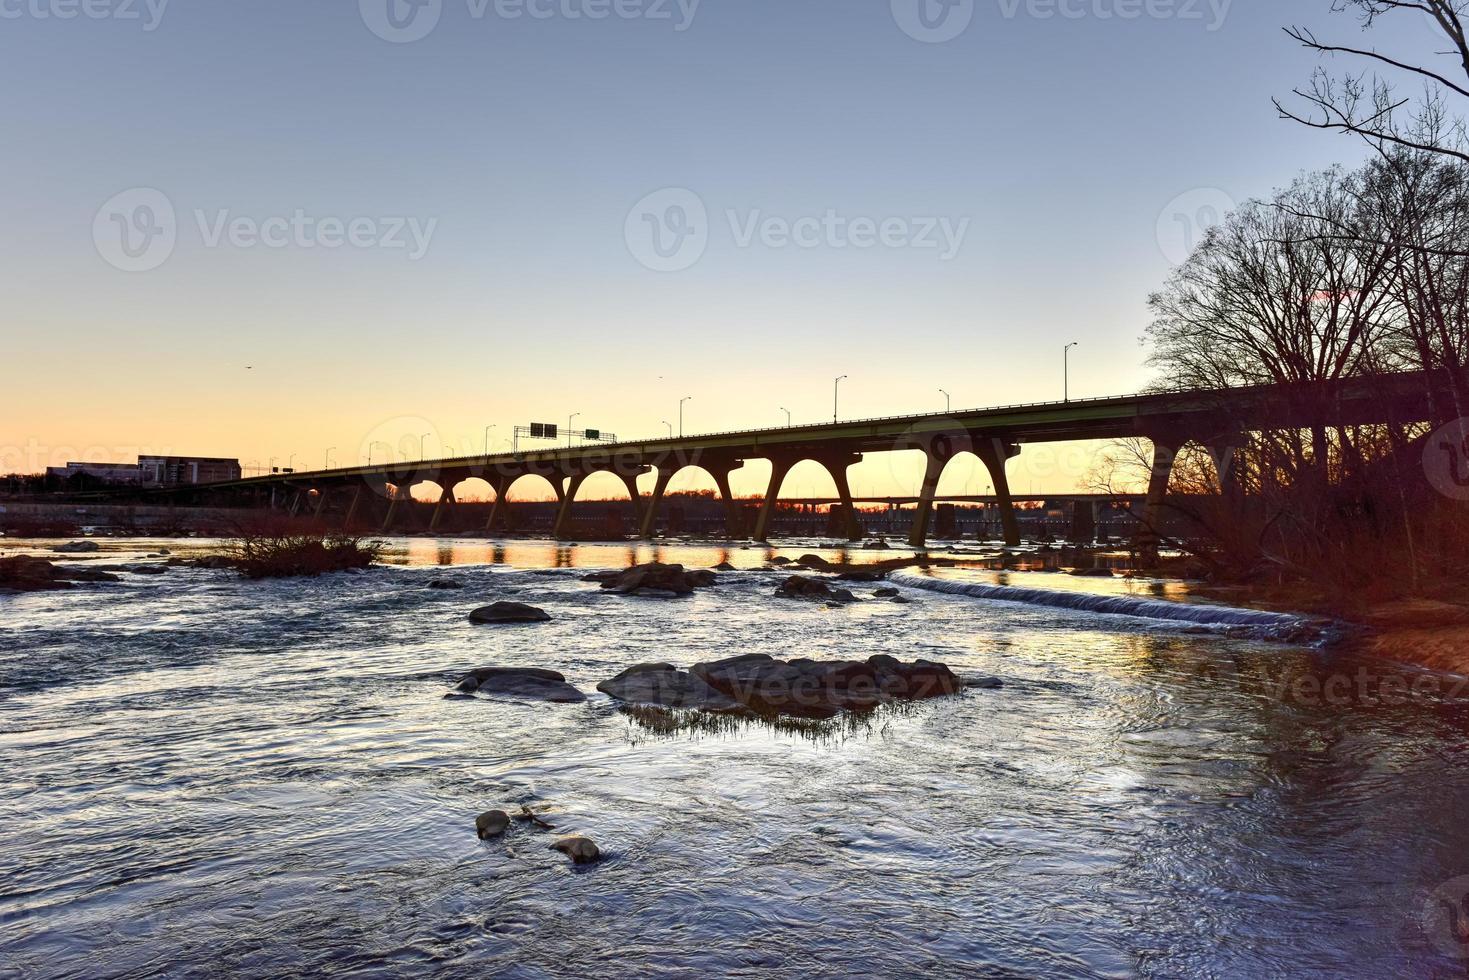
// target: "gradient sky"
[[1064, 142]]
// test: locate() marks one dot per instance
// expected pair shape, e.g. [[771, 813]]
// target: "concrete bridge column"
[[994, 454], [923, 513], [320, 508], [838, 470], [630, 481], [498, 508], [734, 524], [398, 494], [446, 499], [352, 509], [650, 512], [1224, 451], [563, 513], [1165, 450], [778, 469]]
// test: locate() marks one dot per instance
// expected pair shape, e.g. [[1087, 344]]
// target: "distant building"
[[171, 471], [108, 473]]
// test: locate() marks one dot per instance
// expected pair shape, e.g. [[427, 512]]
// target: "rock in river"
[[665, 686], [21, 573], [654, 577], [759, 684], [530, 683], [491, 823], [76, 547], [800, 587], [508, 612], [581, 850]]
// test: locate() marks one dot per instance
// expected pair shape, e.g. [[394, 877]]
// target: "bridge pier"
[[352, 510], [734, 523], [1165, 451], [936, 460], [650, 513], [446, 499], [399, 493], [836, 465], [563, 512], [497, 509], [779, 467], [994, 453]]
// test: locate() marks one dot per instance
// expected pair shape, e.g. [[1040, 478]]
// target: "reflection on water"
[[205, 775]]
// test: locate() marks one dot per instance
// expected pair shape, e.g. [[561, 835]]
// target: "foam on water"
[[1111, 605]]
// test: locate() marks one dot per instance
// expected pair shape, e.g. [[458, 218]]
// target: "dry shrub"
[[297, 555]]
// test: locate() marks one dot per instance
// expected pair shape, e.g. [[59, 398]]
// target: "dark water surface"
[[204, 776]]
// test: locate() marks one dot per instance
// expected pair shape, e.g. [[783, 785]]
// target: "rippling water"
[[207, 776]]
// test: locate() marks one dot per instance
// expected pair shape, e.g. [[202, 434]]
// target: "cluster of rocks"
[[654, 577], [758, 683], [801, 587], [494, 823], [22, 573]]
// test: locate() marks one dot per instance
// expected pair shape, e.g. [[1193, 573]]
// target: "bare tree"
[[1367, 104]]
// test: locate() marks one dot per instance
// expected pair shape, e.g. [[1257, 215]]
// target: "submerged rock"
[[445, 583], [581, 850], [508, 612], [530, 683], [22, 573], [491, 823], [1092, 572], [886, 592]]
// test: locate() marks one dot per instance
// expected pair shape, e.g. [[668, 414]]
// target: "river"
[[205, 776]]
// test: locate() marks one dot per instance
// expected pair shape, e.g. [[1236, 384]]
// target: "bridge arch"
[[835, 465]]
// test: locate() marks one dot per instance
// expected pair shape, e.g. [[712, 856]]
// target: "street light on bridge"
[[788, 416], [948, 402], [420, 445], [835, 387], [487, 439], [569, 420], [685, 398], [1066, 371], [328, 463], [670, 428]]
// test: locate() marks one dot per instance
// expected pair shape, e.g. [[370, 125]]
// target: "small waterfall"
[[1113, 605]]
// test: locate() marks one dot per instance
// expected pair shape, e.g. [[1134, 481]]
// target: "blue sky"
[[519, 147]]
